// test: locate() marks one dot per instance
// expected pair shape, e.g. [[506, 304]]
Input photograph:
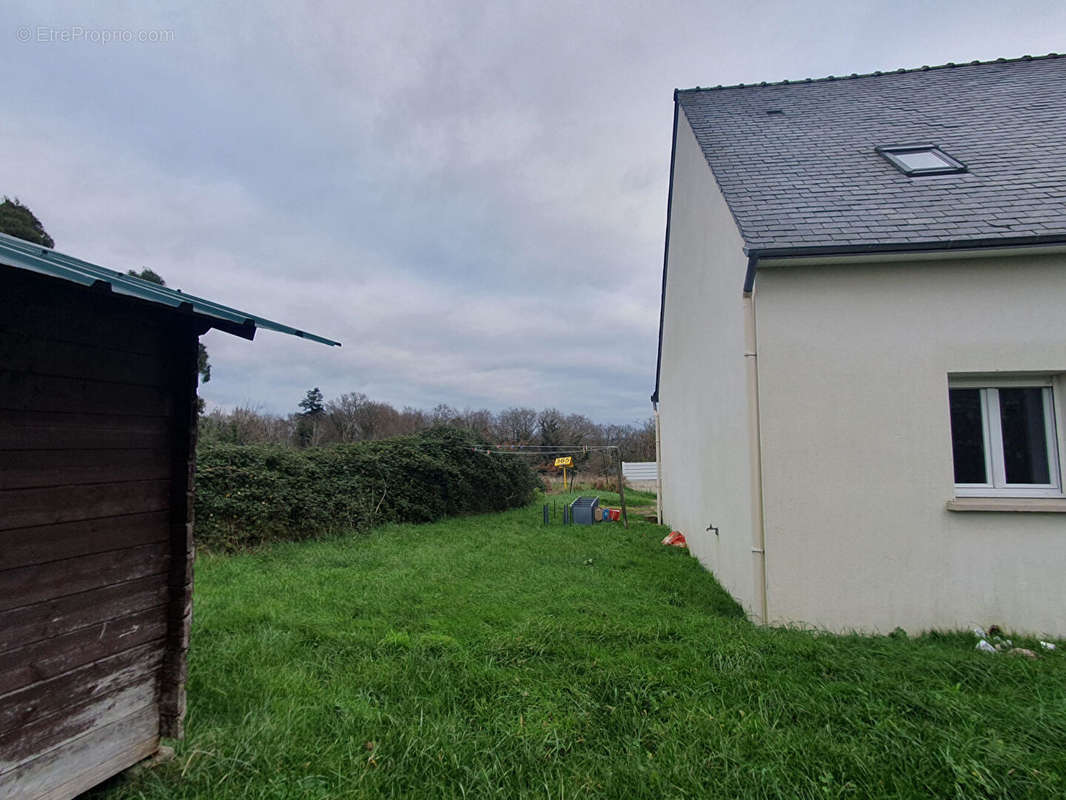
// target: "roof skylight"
[[921, 159]]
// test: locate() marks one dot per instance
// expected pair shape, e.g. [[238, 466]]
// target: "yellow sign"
[[567, 461]]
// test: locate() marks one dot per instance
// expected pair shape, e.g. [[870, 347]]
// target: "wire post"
[[622, 489]]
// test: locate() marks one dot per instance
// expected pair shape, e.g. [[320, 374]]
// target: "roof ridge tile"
[[874, 74]]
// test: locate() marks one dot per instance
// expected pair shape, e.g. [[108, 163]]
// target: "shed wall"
[[95, 547]]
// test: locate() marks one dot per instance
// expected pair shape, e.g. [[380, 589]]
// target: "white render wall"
[[702, 386], [856, 443]]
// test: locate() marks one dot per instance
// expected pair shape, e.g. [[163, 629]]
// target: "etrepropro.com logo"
[[50, 34]]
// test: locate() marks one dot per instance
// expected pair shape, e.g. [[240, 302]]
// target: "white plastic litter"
[[985, 647], [979, 632], [1047, 645]]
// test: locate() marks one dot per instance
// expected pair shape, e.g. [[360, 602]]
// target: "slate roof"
[[810, 177]]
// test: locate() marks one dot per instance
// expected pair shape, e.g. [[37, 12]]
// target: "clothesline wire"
[[538, 448], [547, 451]]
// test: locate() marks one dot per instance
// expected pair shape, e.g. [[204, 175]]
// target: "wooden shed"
[[98, 376]]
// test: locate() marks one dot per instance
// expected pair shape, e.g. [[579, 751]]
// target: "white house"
[[861, 384]]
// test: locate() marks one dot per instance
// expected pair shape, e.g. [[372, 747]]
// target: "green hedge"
[[248, 494]]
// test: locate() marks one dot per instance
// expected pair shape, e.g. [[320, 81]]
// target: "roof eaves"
[[37, 258], [1003, 243]]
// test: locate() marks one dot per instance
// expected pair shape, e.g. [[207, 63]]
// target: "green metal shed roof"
[[36, 258]]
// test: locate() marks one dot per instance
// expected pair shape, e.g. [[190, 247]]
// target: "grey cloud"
[[429, 182]]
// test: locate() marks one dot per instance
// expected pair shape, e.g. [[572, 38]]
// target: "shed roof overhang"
[[25, 255]]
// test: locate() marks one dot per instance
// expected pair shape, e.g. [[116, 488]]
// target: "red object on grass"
[[675, 539], [615, 514]]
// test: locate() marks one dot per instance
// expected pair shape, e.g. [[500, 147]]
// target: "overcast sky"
[[472, 198]]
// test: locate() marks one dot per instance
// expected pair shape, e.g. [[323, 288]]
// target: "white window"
[[1003, 439]]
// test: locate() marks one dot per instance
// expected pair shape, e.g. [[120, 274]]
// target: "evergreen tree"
[[312, 403], [307, 423], [17, 220]]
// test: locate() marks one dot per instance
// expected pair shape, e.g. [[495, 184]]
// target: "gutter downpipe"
[[666, 257], [758, 527], [662, 318], [658, 469]]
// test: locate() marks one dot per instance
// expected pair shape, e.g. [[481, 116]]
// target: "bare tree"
[[516, 425], [550, 427], [380, 421], [579, 429], [412, 420], [443, 414], [342, 417], [480, 421], [245, 425]]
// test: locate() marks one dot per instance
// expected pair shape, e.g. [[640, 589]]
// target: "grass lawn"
[[492, 657]]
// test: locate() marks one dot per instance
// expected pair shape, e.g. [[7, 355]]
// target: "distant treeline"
[[354, 417]]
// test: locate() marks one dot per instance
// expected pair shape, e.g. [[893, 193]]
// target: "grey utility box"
[[585, 510]]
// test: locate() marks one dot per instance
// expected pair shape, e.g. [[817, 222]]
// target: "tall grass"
[[491, 656]]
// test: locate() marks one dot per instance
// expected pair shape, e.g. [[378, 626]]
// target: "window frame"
[[891, 154], [991, 423]]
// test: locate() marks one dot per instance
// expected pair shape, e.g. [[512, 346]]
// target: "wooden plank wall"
[[95, 532], [183, 354]]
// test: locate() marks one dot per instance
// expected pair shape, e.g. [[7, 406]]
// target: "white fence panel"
[[640, 470]]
